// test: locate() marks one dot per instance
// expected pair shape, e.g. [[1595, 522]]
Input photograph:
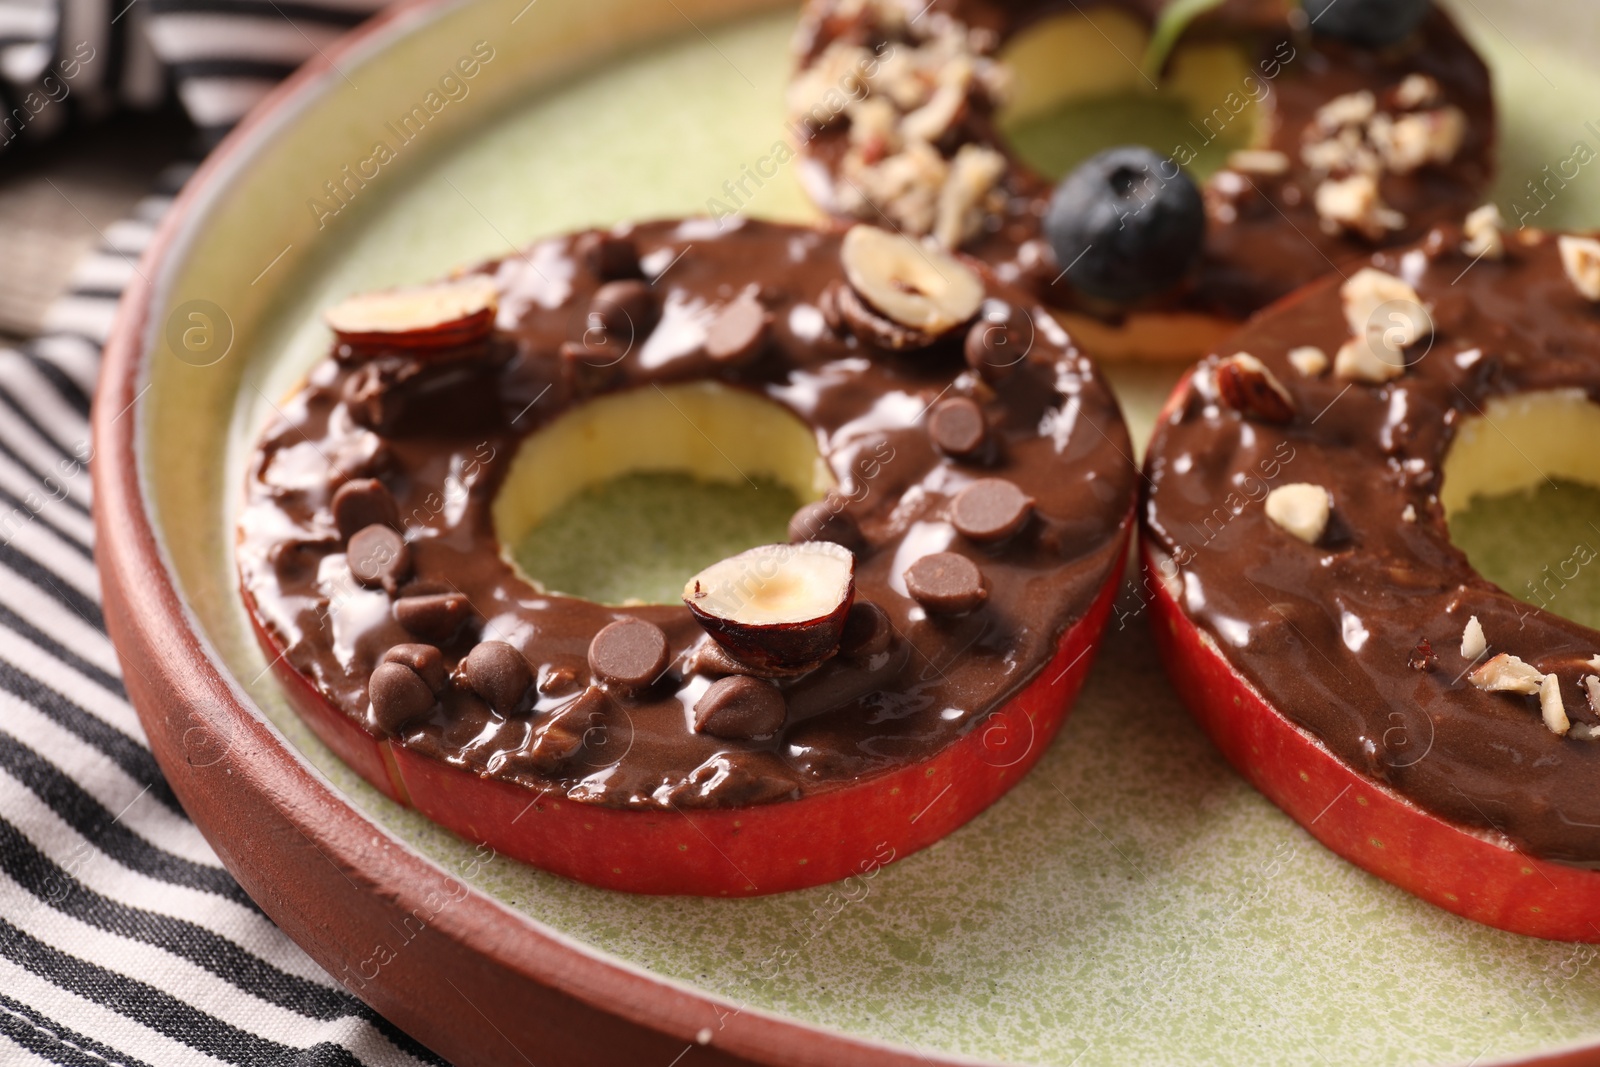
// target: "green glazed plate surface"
[[1132, 901]]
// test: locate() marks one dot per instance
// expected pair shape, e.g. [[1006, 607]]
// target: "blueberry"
[[1127, 223], [1372, 23]]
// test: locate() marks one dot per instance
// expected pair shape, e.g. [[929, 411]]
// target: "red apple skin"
[[1369, 824], [733, 852]]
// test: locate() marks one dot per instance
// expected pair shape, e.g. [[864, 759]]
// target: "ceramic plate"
[[1132, 901]]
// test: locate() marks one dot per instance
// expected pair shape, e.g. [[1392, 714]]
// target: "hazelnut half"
[[916, 284]]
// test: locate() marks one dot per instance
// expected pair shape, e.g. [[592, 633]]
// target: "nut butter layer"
[[1294, 501], [959, 423], [1359, 146]]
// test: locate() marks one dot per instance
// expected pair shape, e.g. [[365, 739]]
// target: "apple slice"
[[1459, 868], [780, 607], [444, 315], [825, 835]]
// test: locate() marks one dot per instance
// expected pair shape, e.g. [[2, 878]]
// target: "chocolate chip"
[[740, 707], [990, 509], [608, 256], [426, 660], [946, 583], [712, 660], [957, 427], [435, 617], [297, 560], [825, 520], [998, 341], [378, 557], [366, 396], [867, 631], [630, 653], [398, 696], [740, 330], [624, 312], [399, 395], [363, 502], [499, 674]]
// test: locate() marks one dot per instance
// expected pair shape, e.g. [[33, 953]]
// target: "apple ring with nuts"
[[1316, 617], [1352, 126], [804, 710]]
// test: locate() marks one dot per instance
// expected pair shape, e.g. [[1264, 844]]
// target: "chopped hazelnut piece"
[[1351, 109], [917, 93], [1409, 514], [1417, 90], [1581, 730], [1367, 291], [1267, 161], [1506, 673], [1308, 360], [1301, 509], [817, 94], [1580, 256], [872, 126], [1354, 203], [1368, 359], [905, 186], [930, 121], [1408, 142], [1482, 231], [1550, 706], [1473, 643], [1246, 385], [1345, 152], [974, 173]]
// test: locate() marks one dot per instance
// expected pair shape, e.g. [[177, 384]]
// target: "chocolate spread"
[[1359, 637], [439, 429], [1264, 236]]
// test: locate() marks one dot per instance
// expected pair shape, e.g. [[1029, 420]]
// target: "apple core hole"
[[622, 499], [1521, 494], [1078, 89]]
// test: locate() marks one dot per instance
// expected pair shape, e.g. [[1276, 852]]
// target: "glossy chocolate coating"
[[451, 430], [1264, 238], [1358, 638]]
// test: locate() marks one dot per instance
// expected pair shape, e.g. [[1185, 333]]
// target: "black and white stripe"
[[64, 58], [123, 941]]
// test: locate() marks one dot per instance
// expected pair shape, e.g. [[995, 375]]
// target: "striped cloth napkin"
[[123, 941], [66, 59]]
